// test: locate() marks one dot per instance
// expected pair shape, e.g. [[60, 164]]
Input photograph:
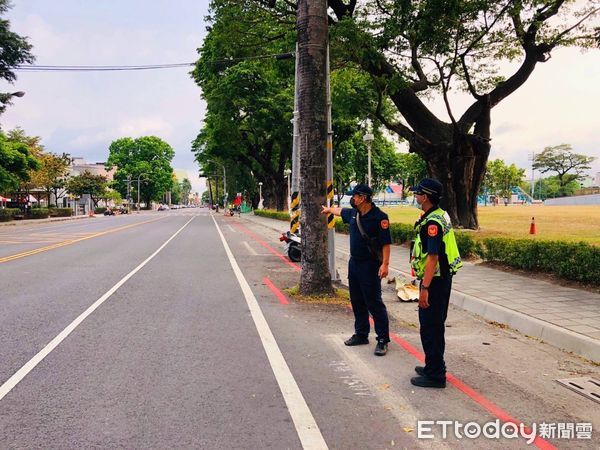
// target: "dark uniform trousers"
[[365, 296], [432, 322]]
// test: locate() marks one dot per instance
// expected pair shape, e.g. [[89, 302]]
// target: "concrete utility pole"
[[331, 217], [295, 195]]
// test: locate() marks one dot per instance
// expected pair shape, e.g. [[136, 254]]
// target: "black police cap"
[[361, 189], [428, 186]]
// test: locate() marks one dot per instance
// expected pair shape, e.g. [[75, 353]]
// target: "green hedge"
[[279, 215], [37, 213], [61, 212], [99, 210], [577, 261], [7, 214]]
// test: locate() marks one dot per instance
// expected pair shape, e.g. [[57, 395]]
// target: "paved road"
[[179, 338]]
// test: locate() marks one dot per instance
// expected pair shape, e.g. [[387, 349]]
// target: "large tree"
[[52, 174], [415, 50], [147, 158], [88, 183], [249, 101], [560, 159], [16, 163], [15, 50], [500, 178]]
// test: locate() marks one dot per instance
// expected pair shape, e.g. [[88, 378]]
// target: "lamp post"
[[288, 174], [368, 138], [260, 195]]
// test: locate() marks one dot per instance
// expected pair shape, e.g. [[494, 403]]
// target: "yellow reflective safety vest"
[[418, 256]]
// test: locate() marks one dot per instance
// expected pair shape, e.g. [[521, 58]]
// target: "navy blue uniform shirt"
[[375, 223], [432, 240]]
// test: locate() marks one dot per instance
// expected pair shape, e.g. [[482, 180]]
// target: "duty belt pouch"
[[372, 243]]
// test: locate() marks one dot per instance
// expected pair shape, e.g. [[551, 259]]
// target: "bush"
[[99, 210], [271, 214], [7, 214], [572, 261], [37, 213], [467, 245], [60, 212]]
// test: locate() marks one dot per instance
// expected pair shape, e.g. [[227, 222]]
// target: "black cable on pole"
[[54, 68]]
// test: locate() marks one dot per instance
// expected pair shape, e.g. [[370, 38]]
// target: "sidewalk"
[[38, 221], [565, 317]]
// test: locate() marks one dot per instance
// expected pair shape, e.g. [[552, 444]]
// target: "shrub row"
[[7, 214], [577, 261], [99, 209], [61, 212], [279, 215], [37, 213]]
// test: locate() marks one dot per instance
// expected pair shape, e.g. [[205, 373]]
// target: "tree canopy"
[[147, 158], [16, 162], [16, 50], [561, 160], [88, 183], [420, 50]]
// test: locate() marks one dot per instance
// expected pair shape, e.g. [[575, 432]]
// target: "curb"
[[552, 334], [16, 223], [530, 326]]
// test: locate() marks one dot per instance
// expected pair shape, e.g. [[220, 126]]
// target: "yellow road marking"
[[71, 241]]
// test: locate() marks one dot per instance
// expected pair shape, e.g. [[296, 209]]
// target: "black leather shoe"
[[381, 348], [426, 381], [356, 339], [420, 370]]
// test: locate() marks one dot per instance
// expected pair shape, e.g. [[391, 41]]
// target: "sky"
[[82, 113]]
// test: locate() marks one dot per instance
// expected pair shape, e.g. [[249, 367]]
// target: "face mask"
[[419, 205]]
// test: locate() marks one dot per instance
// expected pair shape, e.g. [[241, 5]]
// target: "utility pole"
[[532, 159], [295, 195], [330, 217]]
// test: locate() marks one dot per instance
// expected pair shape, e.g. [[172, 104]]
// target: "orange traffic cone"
[[532, 227]]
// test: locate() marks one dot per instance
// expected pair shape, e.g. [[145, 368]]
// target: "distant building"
[[79, 165], [597, 180]]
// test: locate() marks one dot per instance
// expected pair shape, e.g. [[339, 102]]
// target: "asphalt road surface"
[[171, 330]]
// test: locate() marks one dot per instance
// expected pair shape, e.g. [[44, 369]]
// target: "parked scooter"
[[292, 246]]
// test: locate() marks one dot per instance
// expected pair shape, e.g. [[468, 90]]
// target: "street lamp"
[[288, 174], [368, 138], [260, 195], [5, 99]]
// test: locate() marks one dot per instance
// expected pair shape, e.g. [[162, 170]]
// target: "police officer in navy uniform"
[[369, 261], [435, 259]]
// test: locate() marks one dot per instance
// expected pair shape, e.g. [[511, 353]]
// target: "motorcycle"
[[292, 246]]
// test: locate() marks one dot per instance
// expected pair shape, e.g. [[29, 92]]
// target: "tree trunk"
[[460, 166], [312, 26]]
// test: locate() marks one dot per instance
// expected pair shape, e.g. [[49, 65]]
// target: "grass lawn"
[[564, 223]]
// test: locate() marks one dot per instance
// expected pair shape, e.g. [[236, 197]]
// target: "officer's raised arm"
[[331, 210]]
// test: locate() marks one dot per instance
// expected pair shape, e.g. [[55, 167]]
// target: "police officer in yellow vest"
[[435, 259]]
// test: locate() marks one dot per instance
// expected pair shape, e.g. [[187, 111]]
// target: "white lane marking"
[[39, 357], [231, 228], [306, 427], [250, 249]]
